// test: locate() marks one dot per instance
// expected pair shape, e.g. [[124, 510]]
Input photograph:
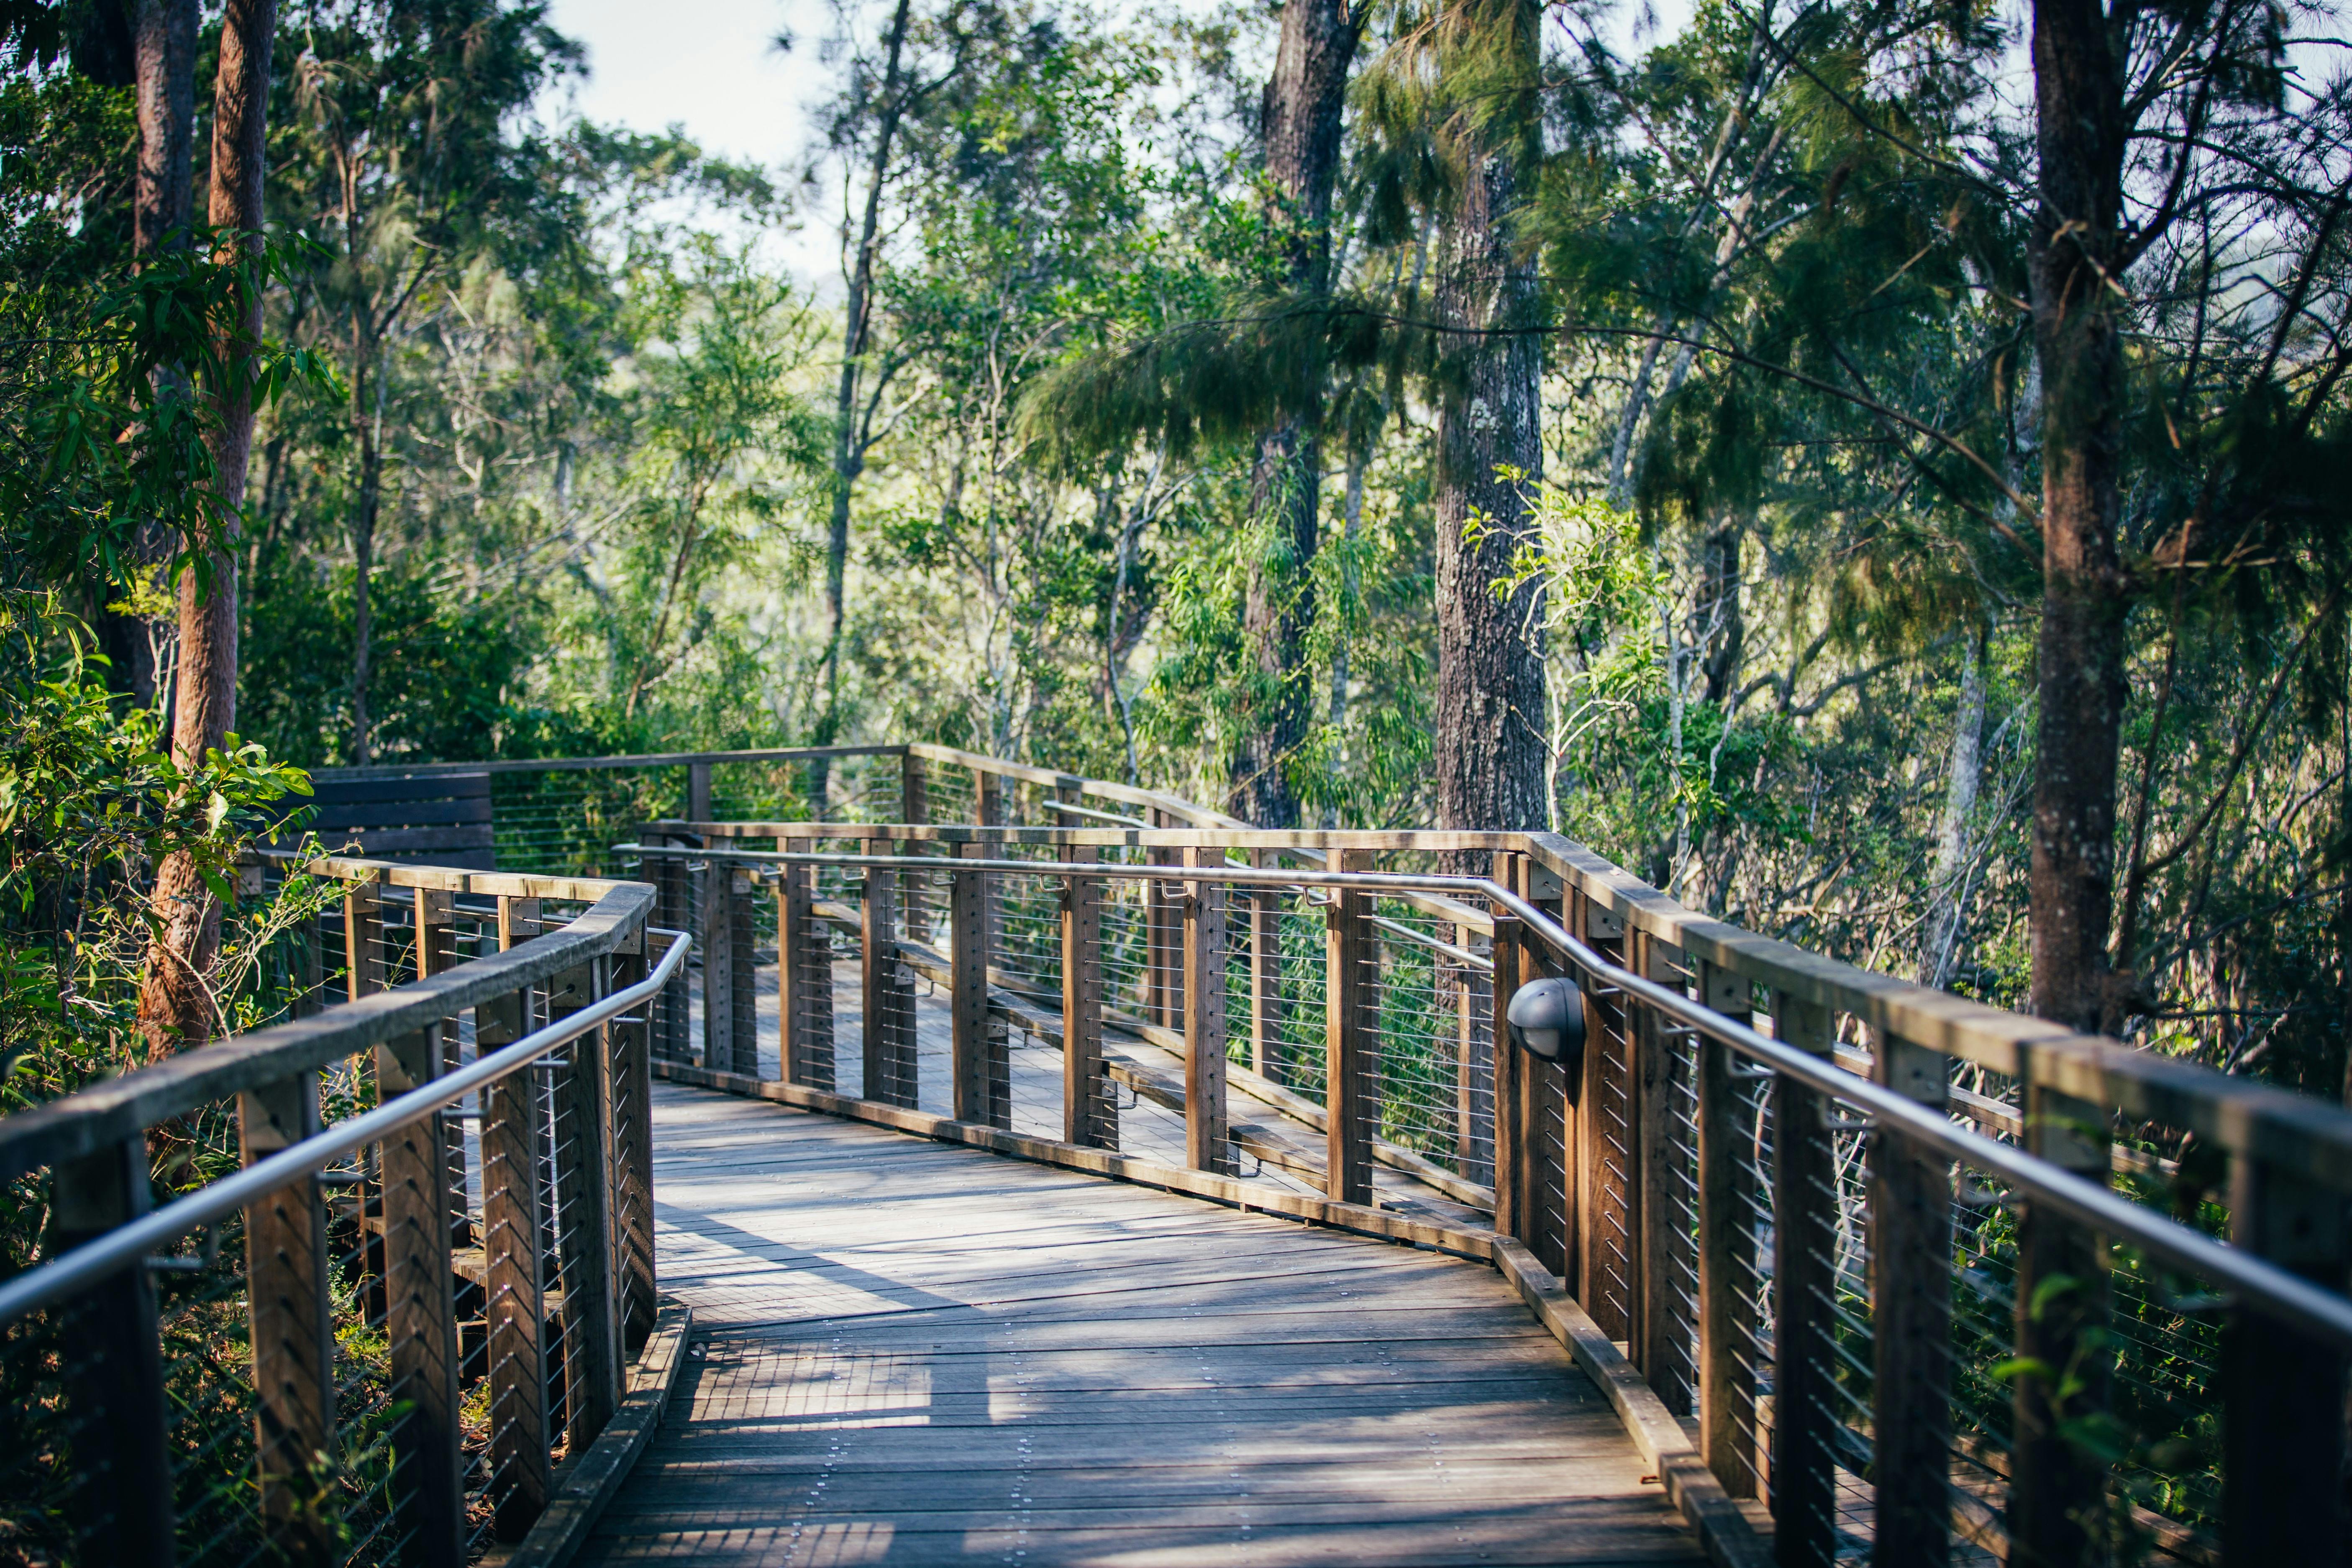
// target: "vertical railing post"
[[1804, 1239], [1207, 1129], [289, 1295], [718, 945], [697, 792], [1911, 1321], [1669, 1260], [673, 910], [2283, 1389], [1545, 1114], [1163, 964], [1727, 1271], [1090, 1111], [420, 1321], [114, 1366], [1510, 1077], [968, 990], [2057, 1489], [742, 972], [803, 983], [888, 1045], [632, 1137], [583, 1211], [363, 968], [1347, 992], [514, 1208], [914, 789], [1264, 905], [1602, 1207]]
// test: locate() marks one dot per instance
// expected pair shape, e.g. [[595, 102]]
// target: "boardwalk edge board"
[[1478, 1245], [592, 1484], [1724, 1529]]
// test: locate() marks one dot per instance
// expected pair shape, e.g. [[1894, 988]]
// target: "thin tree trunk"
[[1491, 746], [370, 431], [1940, 953], [164, 43], [175, 1007], [1301, 119], [848, 449], [2078, 339]]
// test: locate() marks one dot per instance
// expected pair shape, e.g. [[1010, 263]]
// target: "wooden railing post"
[[514, 1209], [1511, 1166], [673, 910], [583, 1211], [1090, 1110], [363, 968], [1163, 961], [968, 949], [113, 1366], [1727, 1271], [2056, 1490], [1545, 1114], [803, 983], [289, 1295], [1347, 991], [1911, 1320], [697, 792], [914, 789], [1804, 1239], [2283, 1389], [420, 1322], [1208, 1145], [721, 914], [889, 1004], [1669, 1257], [1600, 1135], [632, 1130]]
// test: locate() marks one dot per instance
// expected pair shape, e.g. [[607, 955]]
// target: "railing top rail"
[[1227, 835], [60, 1277], [106, 1113]]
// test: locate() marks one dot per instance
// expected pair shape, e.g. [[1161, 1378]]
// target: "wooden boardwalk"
[[911, 1353]]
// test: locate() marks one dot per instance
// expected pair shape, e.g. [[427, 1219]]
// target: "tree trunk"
[[1491, 750], [1300, 123], [164, 51], [848, 446], [370, 432], [2077, 334], [1939, 953], [175, 1007]]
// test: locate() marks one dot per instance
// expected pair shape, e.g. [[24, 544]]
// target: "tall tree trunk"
[[370, 431], [175, 1007], [1300, 125], [1939, 951], [163, 39], [1491, 749], [849, 443], [2078, 327]]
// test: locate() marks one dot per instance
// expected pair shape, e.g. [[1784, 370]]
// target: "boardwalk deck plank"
[[915, 1353]]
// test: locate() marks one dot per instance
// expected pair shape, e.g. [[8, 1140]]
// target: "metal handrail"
[[2264, 1286], [129, 1245]]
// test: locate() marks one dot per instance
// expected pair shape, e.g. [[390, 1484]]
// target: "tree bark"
[[364, 520], [163, 45], [175, 1007], [2072, 259], [1939, 953], [1491, 750], [1300, 125]]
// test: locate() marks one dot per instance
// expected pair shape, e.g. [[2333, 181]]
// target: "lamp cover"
[[1546, 1020]]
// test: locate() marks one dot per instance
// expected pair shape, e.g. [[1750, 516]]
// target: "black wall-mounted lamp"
[[1546, 1018]]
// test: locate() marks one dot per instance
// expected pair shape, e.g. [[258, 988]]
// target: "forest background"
[[1692, 440]]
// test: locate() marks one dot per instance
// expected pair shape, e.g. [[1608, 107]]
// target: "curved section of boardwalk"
[[911, 1352]]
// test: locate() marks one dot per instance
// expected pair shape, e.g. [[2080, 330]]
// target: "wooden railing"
[[407, 1253], [1898, 1267]]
